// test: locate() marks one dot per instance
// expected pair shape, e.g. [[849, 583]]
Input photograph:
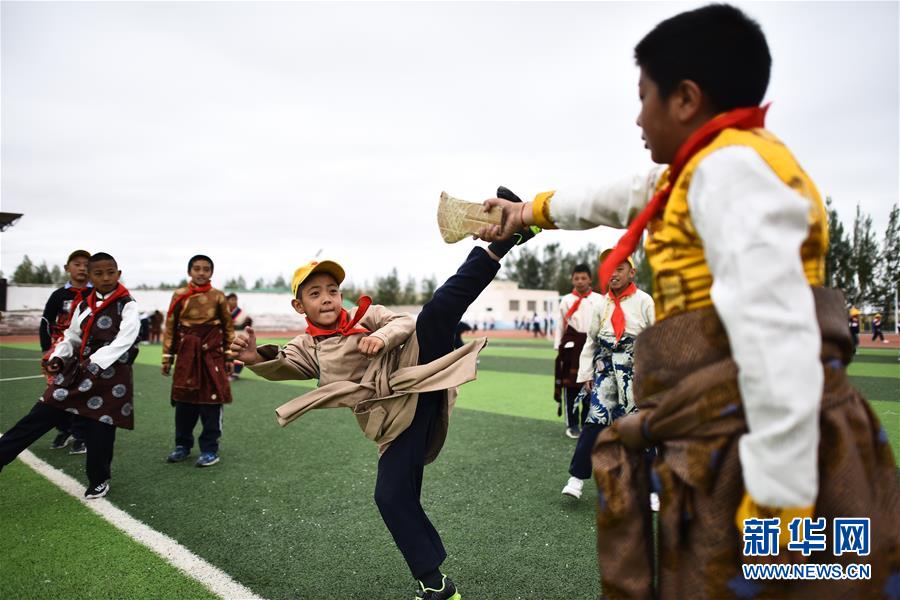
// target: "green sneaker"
[[447, 591]]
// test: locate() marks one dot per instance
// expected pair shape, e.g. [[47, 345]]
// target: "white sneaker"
[[654, 501], [573, 487]]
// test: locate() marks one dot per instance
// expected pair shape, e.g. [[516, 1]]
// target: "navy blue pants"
[[99, 438], [580, 466], [398, 488], [186, 416]]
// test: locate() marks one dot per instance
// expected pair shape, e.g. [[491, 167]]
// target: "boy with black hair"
[[575, 311], [606, 364], [751, 423], [92, 376], [54, 322], [398, 375], [198, 336]]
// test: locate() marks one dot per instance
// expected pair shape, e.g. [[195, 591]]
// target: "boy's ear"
[[688, 100], [298, 306]]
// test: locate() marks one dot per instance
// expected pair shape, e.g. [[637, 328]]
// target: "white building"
[[504, 301]]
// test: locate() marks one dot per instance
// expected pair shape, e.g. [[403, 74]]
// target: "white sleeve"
[[71, 337], [557, 331], [752, 226], [649, 310], [613, 205], [586, 360], [129, 329]]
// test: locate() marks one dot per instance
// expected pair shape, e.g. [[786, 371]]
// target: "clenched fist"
[[371, 345]]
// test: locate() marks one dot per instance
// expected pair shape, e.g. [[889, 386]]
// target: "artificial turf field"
[[289, 513]]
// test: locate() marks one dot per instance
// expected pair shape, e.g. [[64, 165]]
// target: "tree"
[[409, 295], [839, 259], [429, 284], [57, 275], [259, 284], [387, 289], [865, 256], [280, 283], [888, 271], [24, 273]]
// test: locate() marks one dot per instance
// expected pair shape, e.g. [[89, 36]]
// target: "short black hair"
[[197, 257], [99, 256], [717, 47], [230, 296], [581, 268]]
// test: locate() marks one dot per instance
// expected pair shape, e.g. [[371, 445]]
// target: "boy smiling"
[[92, 376], [398, 375]]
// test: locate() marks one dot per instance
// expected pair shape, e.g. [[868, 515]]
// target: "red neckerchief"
[[739, 118], [92, 304], [618, 316], [345, 325], [574, 307], [79, 297], [193, 290]]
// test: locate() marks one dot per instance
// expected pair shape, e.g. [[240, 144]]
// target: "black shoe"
[[78, 447], [98, 491], [61, 441], [501, 247], [523, 235], [447, 591]]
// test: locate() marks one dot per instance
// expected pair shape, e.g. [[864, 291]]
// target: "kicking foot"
[[501, 247], [78, 447], [573, 433], [446, 592], [573, 487]]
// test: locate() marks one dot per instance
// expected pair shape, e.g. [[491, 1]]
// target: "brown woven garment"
[[687, 393], [199, 376], [567, 359]]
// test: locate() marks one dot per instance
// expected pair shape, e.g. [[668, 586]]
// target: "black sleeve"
[[51, 313]]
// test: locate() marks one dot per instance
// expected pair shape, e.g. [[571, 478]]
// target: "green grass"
[[289, 512], [55, 547]]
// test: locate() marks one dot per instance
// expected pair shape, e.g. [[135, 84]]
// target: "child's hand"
[[511, 219], [588, 385], [244, 347], [371, 345], [166, 366], [54, 365]]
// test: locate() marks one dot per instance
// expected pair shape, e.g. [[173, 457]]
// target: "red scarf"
[[574, 308], [345, 325], [92, 305], [79, 297], [193, 290], [739, 118], [618, 316]]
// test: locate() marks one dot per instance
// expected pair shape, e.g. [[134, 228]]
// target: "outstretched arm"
[[613, 205]]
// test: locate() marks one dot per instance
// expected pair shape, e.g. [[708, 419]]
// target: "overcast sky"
[[261, 133]]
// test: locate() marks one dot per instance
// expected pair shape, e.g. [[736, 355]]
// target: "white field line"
[[213, 578], [21, 378]]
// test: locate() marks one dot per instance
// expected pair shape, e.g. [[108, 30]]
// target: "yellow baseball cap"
[[854, 312], [314, 266], [607, 252]]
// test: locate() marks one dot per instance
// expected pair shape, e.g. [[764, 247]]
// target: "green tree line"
[[866, 269]]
